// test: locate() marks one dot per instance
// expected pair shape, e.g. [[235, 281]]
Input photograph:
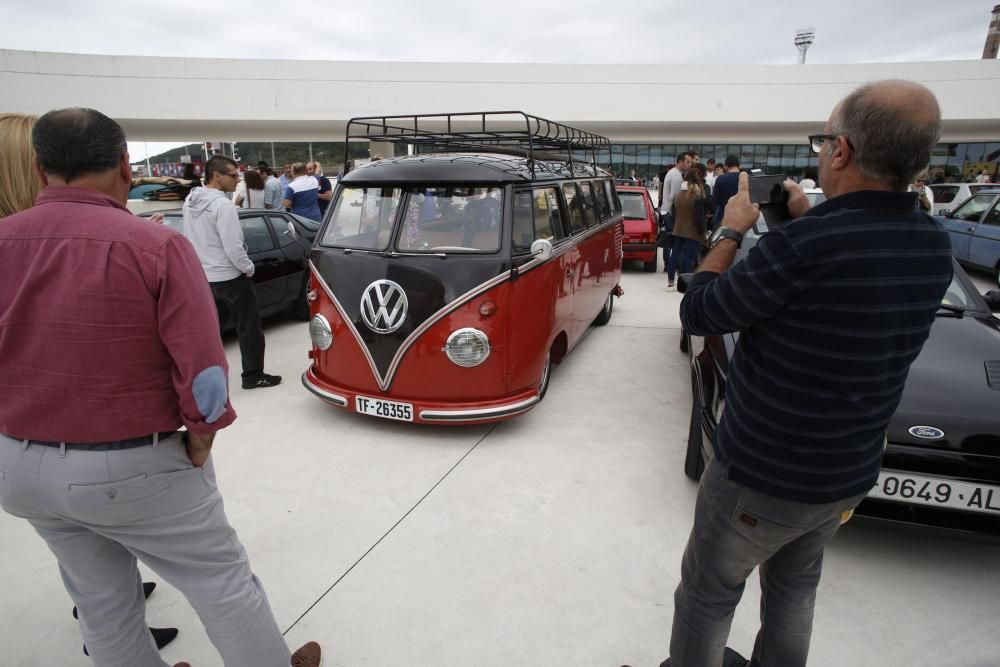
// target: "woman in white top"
[[253, 184]]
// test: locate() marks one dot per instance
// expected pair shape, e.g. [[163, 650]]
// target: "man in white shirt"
[[212, 225]]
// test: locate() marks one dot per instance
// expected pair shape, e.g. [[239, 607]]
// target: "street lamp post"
[[803, 40]]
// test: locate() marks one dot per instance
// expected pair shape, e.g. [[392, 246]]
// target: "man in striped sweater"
[[832, 308]]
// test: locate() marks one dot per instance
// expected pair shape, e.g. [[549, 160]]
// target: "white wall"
[[164, 99]]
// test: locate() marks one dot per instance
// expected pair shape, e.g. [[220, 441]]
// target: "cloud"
[[523, 31]]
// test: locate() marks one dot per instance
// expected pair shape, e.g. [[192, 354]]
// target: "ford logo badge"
[[926, 432]]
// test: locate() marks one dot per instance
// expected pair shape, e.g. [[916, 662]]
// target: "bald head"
[[892, 126]]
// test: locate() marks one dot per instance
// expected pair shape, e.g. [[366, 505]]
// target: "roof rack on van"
[[513, 132]]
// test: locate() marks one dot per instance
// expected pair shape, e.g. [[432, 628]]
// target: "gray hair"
[[892, 125]]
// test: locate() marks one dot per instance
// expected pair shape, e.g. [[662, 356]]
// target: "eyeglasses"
[[816, 141], [233, 174]]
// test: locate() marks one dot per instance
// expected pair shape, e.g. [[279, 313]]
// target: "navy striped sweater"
[[832, 309]]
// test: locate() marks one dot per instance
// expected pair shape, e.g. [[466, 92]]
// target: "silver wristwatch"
[[724, 232]]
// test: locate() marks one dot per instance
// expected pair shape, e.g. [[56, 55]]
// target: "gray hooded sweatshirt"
[[212, 226]]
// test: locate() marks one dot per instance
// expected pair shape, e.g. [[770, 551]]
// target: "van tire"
[[605, 315], [543, 384], [650, 266]]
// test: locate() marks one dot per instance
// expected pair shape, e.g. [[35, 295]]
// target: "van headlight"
[[467, 347], [320, 332]]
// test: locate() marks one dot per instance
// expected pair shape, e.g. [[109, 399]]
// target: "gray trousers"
[[100, 510], [735, 530]]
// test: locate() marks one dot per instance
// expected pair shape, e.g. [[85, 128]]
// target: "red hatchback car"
[[640, 225]]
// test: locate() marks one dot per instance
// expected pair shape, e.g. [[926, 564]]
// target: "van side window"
[[536, 216], [524, 232], [602, 200], [575, 206], [589, 205], [609, 189]]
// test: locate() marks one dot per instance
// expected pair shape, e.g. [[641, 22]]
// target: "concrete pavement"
[[553, 538]]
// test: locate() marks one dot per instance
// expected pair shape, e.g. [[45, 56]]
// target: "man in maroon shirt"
[[110, 345]]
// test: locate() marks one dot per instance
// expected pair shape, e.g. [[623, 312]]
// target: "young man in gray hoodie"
[[212, 225]]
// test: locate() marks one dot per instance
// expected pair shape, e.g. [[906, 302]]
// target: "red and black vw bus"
[[446, 283]]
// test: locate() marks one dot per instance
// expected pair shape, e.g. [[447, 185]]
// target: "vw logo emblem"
[[926, 432], [383, 306]]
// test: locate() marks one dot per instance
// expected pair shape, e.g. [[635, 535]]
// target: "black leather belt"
[[130, 443]]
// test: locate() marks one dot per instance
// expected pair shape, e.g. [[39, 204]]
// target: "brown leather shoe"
[[308, 655]]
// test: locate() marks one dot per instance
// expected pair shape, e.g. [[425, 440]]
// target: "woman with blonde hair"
[[689, 226], [19, 184]]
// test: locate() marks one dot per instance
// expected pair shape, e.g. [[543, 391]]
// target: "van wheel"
[[649, 267], [605, 315], [694, 462], [543, 386]]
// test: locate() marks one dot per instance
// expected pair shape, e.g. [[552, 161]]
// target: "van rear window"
[[363, 218], [451, 219]]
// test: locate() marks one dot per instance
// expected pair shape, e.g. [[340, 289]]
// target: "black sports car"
[[279, 258], [942, 460]]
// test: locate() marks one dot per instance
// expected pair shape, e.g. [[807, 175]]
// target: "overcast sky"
[[515, 31]]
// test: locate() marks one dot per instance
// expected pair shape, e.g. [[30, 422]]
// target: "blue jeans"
[[735, 530], [683, 257]]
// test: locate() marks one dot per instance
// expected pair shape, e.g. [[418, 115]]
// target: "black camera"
[[767, 191]]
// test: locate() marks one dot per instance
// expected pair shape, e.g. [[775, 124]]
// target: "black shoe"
[[162, 637], [730, 658], [147, 589], [262, 380]]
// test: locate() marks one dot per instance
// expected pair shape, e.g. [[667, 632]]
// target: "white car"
[[947, 196]]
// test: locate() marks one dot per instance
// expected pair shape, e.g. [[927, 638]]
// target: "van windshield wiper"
[[948, 310]]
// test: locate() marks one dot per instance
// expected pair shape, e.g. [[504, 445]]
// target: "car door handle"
[[269, 260]]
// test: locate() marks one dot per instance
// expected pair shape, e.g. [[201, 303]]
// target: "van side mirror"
[[993, 299], [541, 249], [682, 282]]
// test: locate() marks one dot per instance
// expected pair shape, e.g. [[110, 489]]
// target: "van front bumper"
[[428, 412]]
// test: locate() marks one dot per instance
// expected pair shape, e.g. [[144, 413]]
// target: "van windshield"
[[363, 218], [451, 219]]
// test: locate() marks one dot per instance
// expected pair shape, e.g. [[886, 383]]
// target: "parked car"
[[641, 225], [974, 228], [942, 461], [446, 284], [949, 195], [279, 258]]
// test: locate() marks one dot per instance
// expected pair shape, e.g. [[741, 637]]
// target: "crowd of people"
[[300, 188], [798, 446]]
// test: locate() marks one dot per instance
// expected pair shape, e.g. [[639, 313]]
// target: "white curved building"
[[648, 110]]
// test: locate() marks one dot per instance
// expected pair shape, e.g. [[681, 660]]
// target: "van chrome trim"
[[483, 413], [456, 303], [322, 393], [567, 244]]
